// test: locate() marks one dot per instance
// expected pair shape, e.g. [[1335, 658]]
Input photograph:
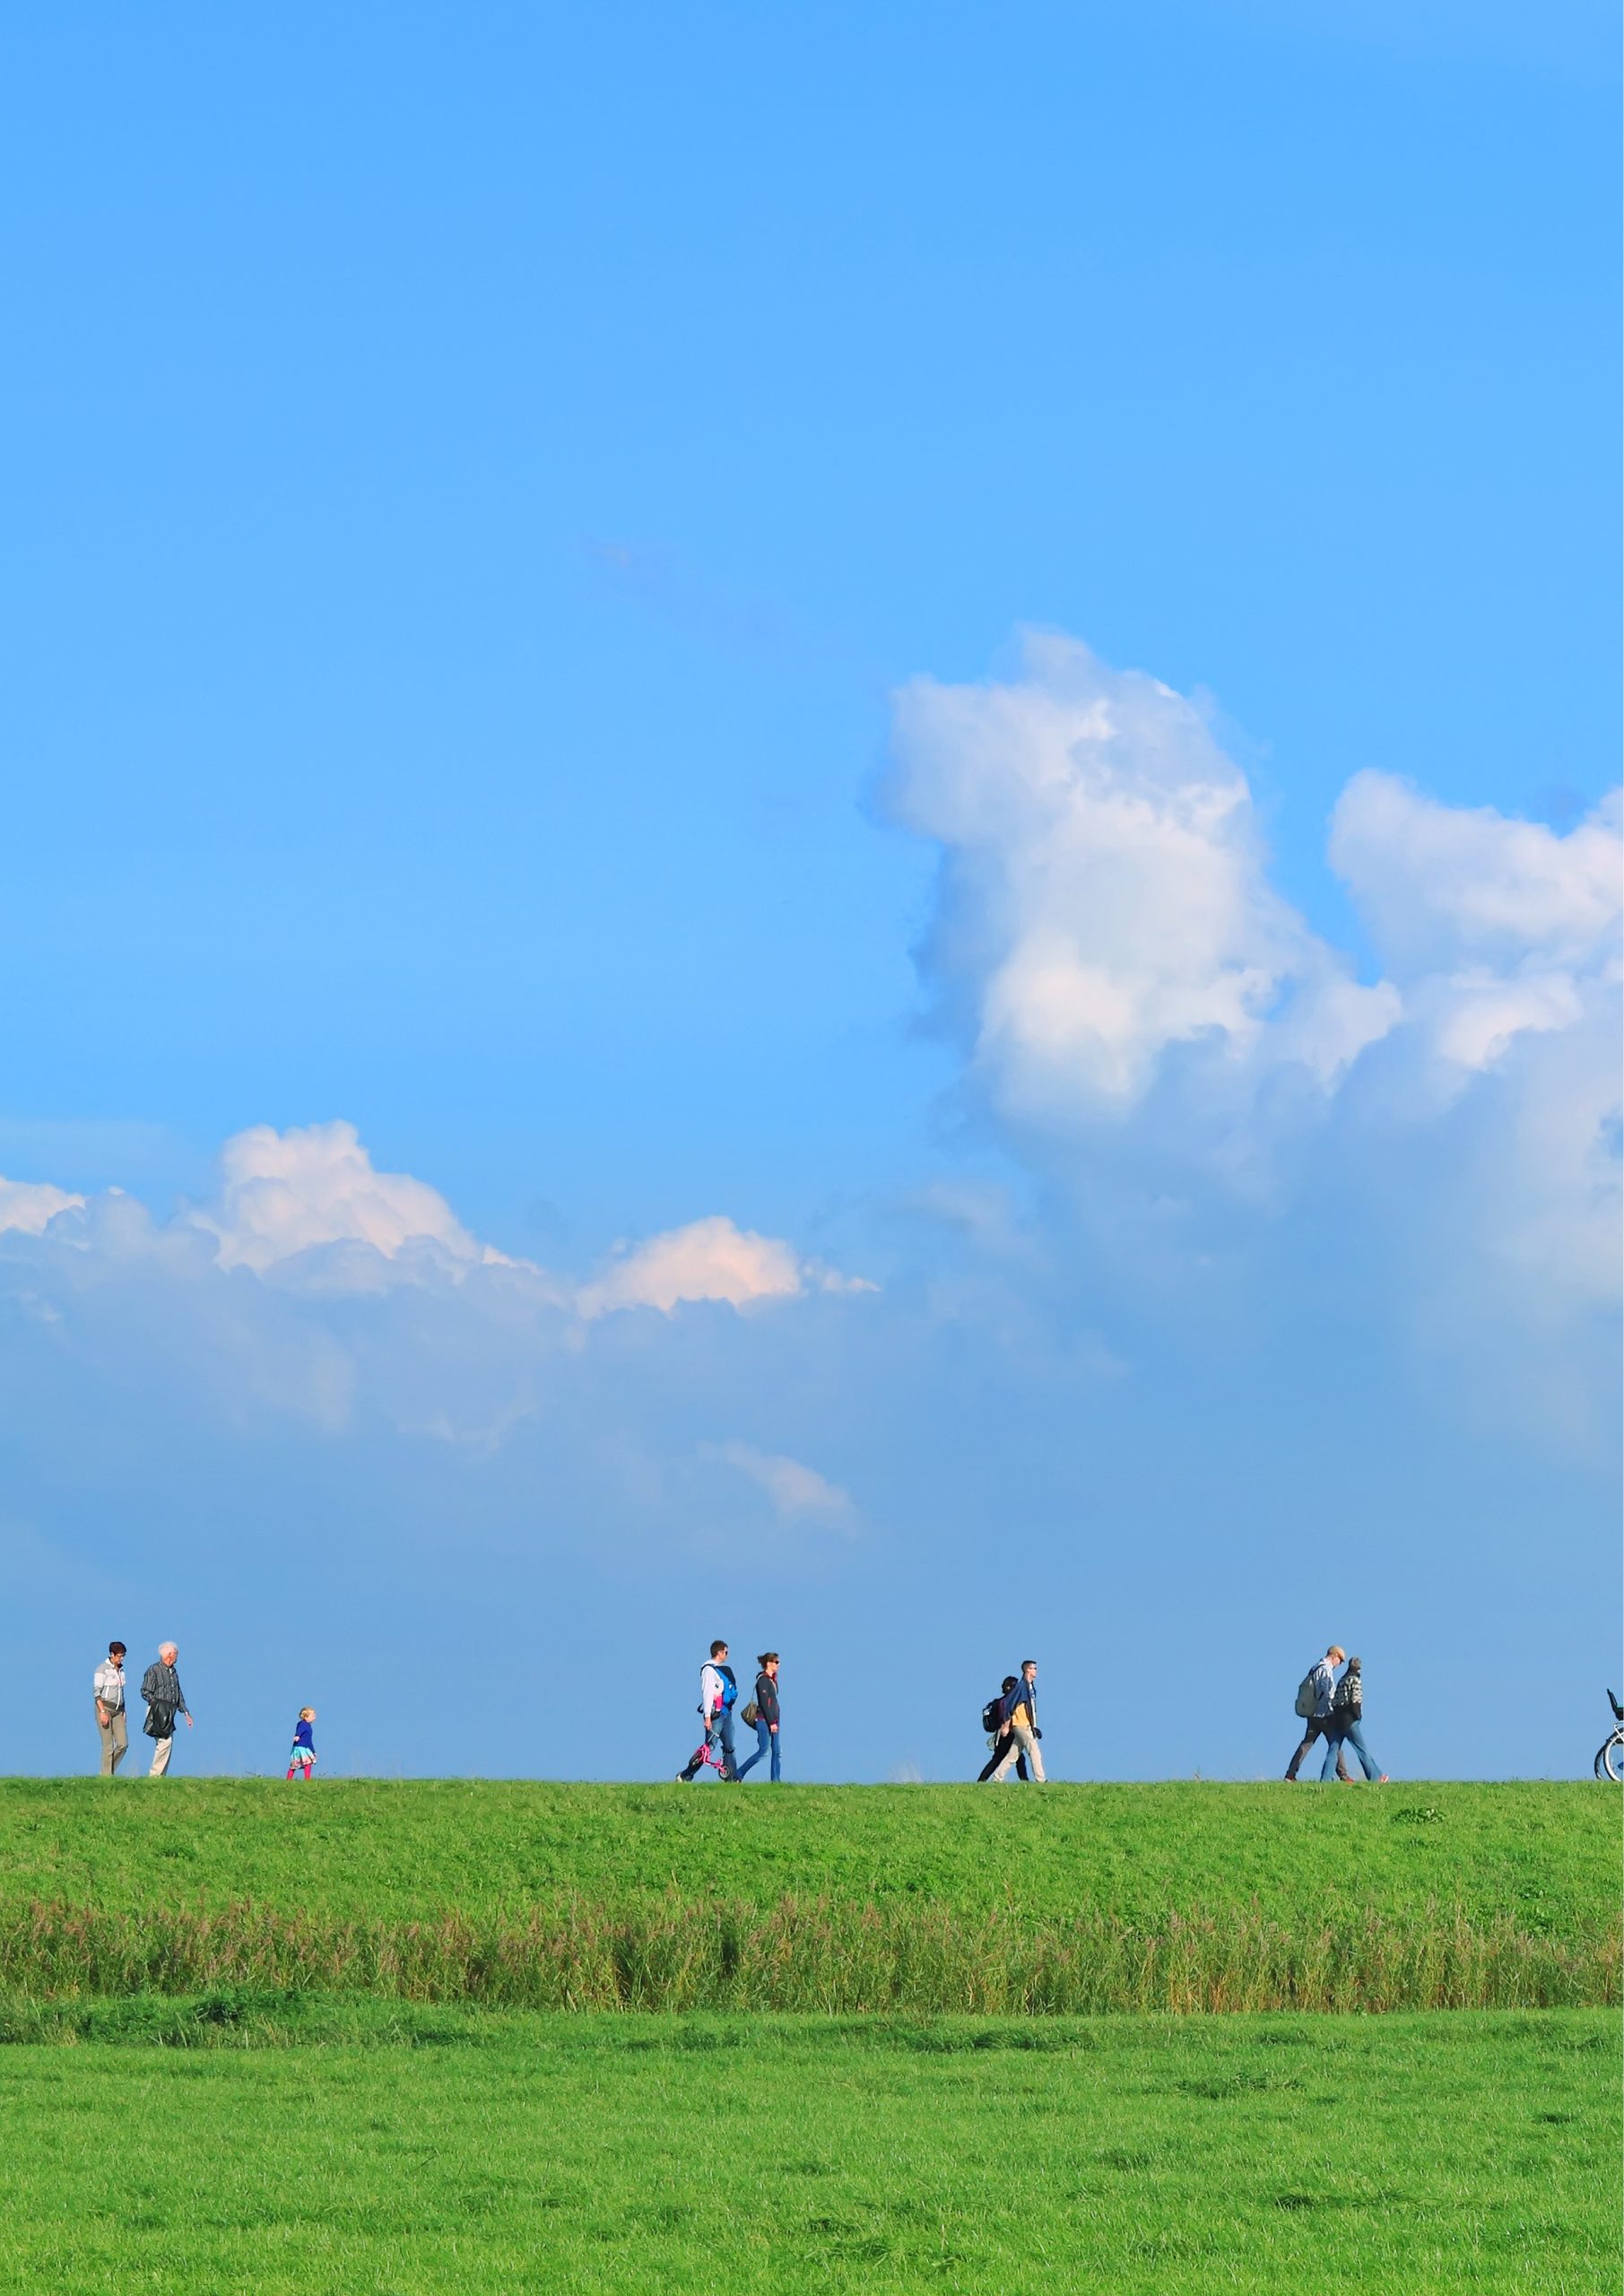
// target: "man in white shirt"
[[718, 1691], [107, 1683]]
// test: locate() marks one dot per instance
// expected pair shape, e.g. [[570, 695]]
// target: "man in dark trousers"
[[1321, 1678], [766, 1715], [1004, 1739]]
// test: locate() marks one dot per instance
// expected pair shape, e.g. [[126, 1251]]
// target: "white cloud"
[[1104, 897], [797, 1492], [1498, 928], [1438, 883], [283, 1192], [309, 1204], [28, 1206], [448, 1336], [1118, 966], [708, 1259]]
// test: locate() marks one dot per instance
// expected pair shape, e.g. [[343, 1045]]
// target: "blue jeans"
[[1350, 1733], [718, 1733], [767, 1742]]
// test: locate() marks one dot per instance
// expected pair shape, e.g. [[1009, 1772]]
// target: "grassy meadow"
[[400, 2038], [1079, 1898], [764, 2155]]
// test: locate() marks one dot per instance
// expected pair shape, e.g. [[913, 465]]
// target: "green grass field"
[[1544, 1855], [1078, 1898], [271, 2037], [675, 2155]]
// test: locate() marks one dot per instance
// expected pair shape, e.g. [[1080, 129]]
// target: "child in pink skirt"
[[303, 1757]]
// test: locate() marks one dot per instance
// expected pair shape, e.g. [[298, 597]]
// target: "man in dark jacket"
[[165, 1699], [766, 1715], [1004, 1738]]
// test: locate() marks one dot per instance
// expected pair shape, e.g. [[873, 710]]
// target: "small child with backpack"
[[301, 1761]]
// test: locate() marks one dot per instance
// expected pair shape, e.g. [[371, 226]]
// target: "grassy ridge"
[[762, 2155], [1545, 1856], [1079, 1899]]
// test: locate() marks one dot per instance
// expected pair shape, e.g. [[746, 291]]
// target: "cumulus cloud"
[[30, 1206], [1438, 883], [1498, 928], [1104, 897], [309, 1204], [316, 1282], [708, 1259], [797, 1492], [284, 1193], [1118, 966]]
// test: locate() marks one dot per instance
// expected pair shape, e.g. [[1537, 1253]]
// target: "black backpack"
[[992, 1716]]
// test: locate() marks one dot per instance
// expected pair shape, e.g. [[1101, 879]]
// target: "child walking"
[[302, 1759]]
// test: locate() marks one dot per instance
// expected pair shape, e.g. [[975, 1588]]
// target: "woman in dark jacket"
[[767, 1715]]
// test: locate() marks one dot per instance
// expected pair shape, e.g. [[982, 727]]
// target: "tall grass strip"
[[812, 1954]]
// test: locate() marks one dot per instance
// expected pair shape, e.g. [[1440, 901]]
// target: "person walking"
[[165, 1699], [1346, 1715], [1314, 1697], [301, 1761], [1021, 1720], [112, 1724], [1002, 1738], [761, 1715], [719, 1695]]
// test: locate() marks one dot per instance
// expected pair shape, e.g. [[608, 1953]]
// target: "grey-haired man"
[[165, 1699]]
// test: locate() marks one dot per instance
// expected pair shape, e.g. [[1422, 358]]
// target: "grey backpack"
[[1308, 1695]]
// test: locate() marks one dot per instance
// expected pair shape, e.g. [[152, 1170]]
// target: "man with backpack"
[[1315, 1695], [719, 1695], [999, 1736], [1019, 1707]]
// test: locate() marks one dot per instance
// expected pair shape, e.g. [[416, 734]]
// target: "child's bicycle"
[[1610, 1760]]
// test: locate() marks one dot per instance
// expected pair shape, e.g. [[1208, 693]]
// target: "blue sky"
[[920, 712]]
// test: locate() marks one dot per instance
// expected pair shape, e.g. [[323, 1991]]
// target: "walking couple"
[[718, 1697], [165, 1699], [1010, 1723], [1333, 1707]]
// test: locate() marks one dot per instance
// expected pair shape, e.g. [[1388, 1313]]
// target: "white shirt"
[[109, 1685]]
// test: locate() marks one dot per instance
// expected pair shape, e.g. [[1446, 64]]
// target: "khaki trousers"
[[114, 1735], [1022, 1742], [162, 1748]]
